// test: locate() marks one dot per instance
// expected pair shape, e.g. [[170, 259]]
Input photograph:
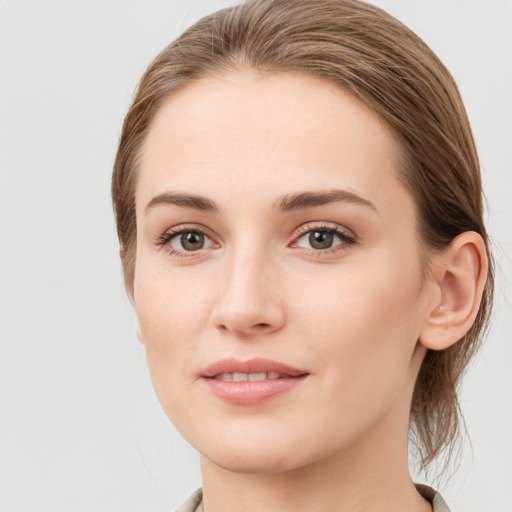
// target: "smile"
[[253, 377], [250, 382]]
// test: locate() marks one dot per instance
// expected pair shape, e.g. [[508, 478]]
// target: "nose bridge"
[[248, 301]]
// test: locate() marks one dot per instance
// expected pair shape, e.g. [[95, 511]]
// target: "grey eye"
[[189, 241], [321, 239]]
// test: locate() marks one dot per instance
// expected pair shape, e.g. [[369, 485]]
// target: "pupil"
[[320, 239], [192, 241]]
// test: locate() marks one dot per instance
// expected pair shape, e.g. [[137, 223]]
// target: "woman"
[[299, 207]]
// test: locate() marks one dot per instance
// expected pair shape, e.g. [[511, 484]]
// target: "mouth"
[[253, 377], [250, 382]]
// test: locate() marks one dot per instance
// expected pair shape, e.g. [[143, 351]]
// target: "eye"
[[189, 241], [185, 240], [323, 238]]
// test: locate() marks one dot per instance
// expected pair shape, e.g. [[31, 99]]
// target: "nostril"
[[245, 330], [251, 318]]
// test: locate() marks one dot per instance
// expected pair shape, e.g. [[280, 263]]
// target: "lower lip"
[[251, 392]]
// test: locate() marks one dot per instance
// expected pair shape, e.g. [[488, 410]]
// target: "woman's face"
[[276, 244]]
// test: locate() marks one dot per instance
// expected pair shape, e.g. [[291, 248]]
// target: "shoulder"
[[194, 502], [438, 503]]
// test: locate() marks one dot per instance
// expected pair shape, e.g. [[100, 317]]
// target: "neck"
[[372, 477]]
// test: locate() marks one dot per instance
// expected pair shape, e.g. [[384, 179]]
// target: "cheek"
[[166, 299], [169, 312], [364, 327]]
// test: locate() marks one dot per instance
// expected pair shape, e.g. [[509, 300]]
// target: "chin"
[[254, 461], [258, 452]]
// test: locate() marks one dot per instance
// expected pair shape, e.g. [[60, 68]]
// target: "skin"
[[352, 316]]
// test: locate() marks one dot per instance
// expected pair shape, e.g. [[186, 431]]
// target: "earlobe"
[[459, 275], [139, 334]]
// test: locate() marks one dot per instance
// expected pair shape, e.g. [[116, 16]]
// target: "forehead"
[[248, 132]]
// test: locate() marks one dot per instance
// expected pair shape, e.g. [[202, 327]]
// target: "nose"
[[250, 302]]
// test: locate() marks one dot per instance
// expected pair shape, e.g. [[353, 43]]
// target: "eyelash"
[[346, 239], [166, 238]]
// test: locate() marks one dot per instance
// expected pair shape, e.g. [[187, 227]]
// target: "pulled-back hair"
[[368, 52]]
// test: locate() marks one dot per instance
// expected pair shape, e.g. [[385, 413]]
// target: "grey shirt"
[[195, 502]]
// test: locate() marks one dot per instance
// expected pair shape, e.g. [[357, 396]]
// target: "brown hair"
[[367, 51]]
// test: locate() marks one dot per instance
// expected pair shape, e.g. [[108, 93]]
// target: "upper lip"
[[256, 365]]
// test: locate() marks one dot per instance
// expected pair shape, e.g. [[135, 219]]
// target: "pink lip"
[[256, 365], [251, 392]]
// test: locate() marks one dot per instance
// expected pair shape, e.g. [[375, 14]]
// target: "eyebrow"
[[289, 202], [304, 200], [191, 201]]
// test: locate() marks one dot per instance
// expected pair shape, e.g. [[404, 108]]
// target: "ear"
[[459, 276], [139, 334]]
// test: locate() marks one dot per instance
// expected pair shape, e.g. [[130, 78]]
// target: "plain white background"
[[80, 427]]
